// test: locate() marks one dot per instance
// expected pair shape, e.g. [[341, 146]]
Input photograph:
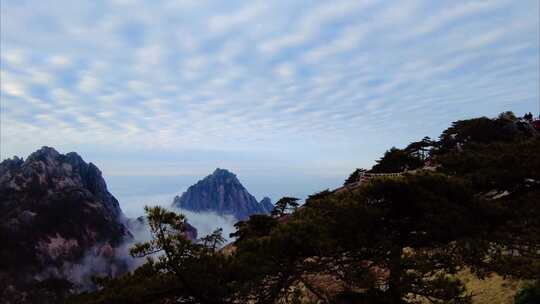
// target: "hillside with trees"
[[468, 201]]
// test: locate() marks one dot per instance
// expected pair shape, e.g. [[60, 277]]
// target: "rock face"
[[266, 204], [53, 209], [222, 193]]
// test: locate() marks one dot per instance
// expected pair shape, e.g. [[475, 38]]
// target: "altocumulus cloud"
[[342, 80]]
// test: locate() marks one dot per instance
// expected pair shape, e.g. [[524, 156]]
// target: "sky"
[[292, 96]]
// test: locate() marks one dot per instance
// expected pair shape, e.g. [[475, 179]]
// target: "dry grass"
[[228, 249], [492, 290]]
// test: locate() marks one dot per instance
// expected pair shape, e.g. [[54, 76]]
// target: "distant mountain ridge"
[[266, 204], [222, 192]]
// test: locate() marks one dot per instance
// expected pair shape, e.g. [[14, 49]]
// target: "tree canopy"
[[390, 240]]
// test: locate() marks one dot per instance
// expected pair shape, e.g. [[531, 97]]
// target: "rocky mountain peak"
[[44, 154], [223, 175], [266, 204], [223, 172], [265, 200], [48, 171], [53, 209], [220, 192]]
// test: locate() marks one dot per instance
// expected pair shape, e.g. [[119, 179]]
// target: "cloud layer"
[[321, 87]]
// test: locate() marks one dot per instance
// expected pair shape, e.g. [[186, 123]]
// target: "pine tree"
[[355, 176], [284, 205]]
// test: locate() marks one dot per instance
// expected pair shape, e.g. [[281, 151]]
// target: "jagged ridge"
[[53, 208], [222, 193]]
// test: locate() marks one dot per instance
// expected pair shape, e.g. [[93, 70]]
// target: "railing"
[[370, 175], [364, 176]]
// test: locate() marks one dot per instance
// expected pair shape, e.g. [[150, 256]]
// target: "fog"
[[103, 260], [206, 222]]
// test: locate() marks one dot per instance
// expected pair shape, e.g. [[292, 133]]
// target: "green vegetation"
[[175, 267], [284, 205], [354, 177], [530, 294], [427, 236]]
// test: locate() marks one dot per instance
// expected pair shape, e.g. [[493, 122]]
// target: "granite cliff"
[[222, 192], [55, 210], [266, 204]]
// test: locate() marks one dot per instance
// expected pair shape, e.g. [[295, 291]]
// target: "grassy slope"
[[492, 290]]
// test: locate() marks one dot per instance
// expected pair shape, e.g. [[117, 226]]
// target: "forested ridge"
[[466, 201]]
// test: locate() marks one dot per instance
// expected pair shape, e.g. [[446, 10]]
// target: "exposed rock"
[[266, 204], [190, 232], [220, 192], [53, 208]]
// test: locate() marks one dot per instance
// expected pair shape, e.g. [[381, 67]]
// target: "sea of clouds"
[[98, 261]]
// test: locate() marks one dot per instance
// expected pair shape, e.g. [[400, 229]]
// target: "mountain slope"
[[54, 208], [222, 193], [266, 204]]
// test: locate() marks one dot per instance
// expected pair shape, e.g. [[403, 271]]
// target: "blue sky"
[[290, 95]]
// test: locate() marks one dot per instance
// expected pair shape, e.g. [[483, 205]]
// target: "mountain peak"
[[43, 154], [220, 192], [220, 171], [223, 173], [55, 208], [46, 170], [222, 176], [266, 204], [47, 150], [265, 199]]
